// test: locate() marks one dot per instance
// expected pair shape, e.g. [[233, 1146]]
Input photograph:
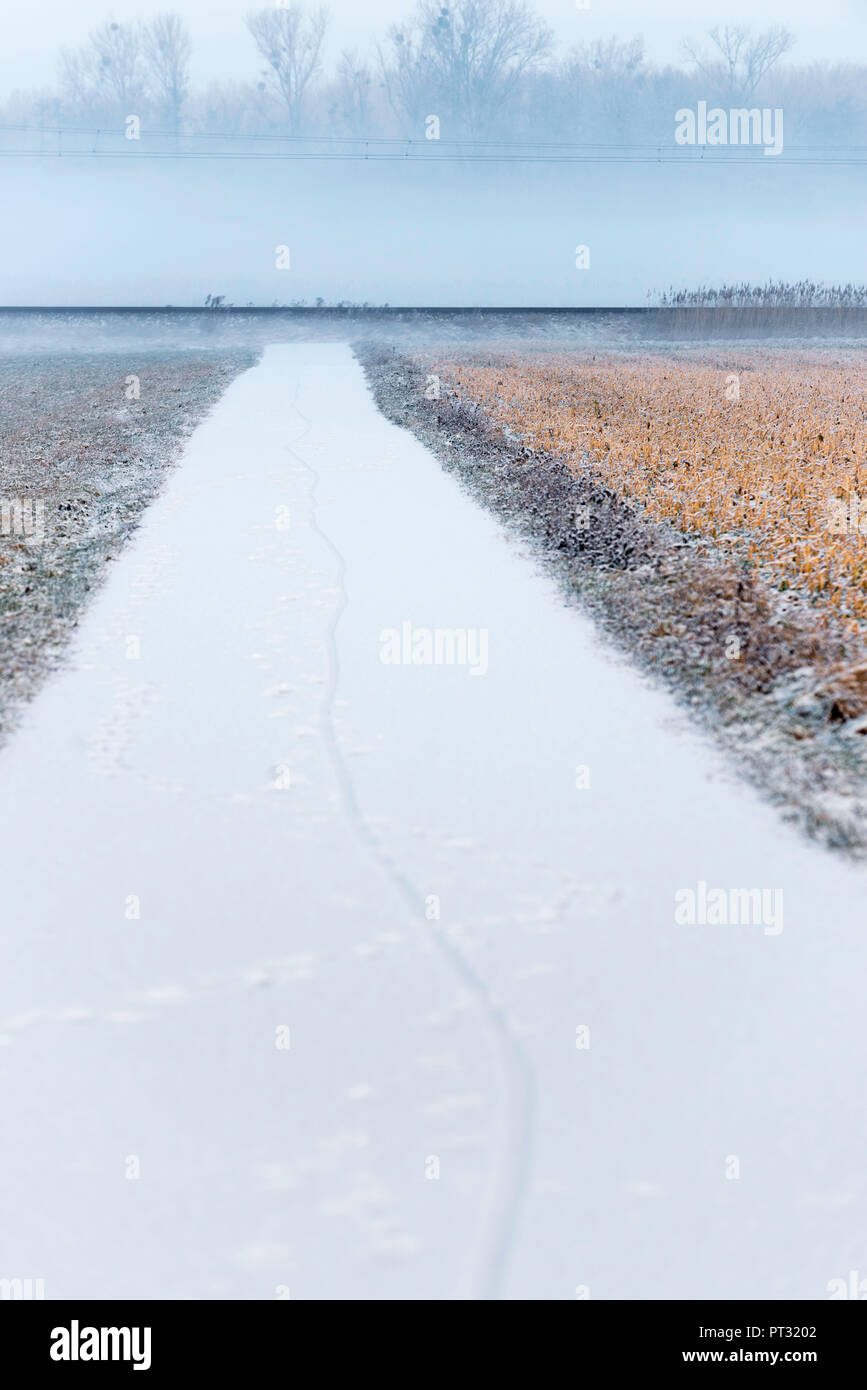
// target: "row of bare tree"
[[125, 66], [483, 67]]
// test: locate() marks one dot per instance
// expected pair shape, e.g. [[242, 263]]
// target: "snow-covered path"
[[229, 818]]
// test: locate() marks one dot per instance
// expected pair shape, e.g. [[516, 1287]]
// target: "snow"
[[285, 806]]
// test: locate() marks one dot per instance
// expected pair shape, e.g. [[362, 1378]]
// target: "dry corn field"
[[764, 455]]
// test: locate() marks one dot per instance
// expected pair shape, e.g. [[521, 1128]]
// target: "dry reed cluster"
[[765, 454]]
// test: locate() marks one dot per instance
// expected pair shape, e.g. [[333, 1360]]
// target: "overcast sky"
[[32, 34]]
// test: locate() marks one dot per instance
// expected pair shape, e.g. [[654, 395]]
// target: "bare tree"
[[167, 48], [609, 60], [406, 78], [601, 84], [290, 41], [740, 59], [76, 78], [119, 62], [352, 93], [108, 72], [463, 61]]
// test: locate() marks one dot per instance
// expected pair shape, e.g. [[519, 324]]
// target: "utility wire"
[[690, 158], [403, 144]]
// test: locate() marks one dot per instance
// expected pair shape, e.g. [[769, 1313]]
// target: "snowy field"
[[332, 976]]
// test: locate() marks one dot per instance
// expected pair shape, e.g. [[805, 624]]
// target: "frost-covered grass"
[[85, 441]]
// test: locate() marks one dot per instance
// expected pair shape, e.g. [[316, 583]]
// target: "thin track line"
[[520, 1088]]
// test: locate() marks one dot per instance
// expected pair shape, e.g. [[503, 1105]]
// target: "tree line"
[[486, 69]]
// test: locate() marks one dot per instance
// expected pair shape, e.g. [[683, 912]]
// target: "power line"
[[403, 143], [685, 158]]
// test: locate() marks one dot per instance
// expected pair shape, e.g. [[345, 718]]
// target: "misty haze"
[[433, 686]]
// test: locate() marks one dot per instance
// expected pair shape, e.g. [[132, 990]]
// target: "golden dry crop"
[[764, 454]]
